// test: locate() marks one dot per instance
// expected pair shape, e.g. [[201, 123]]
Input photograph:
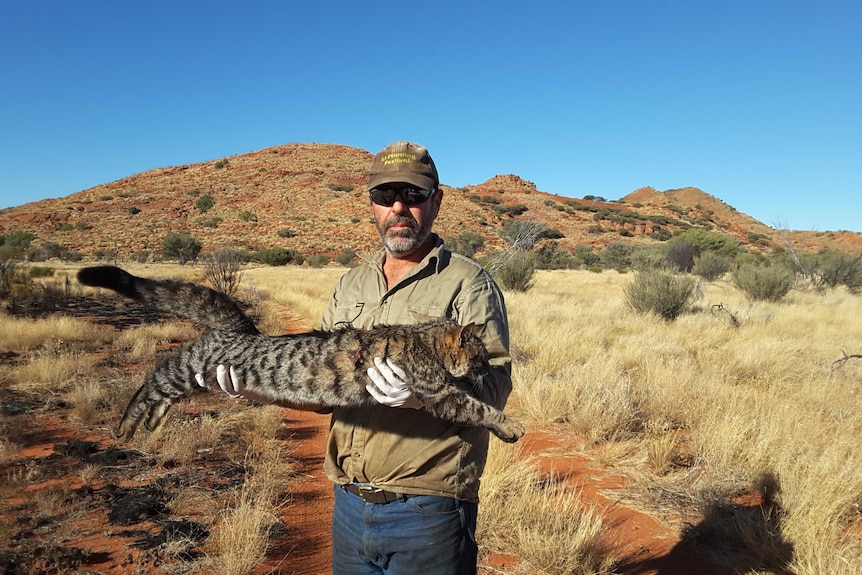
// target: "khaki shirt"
[[406, 450]]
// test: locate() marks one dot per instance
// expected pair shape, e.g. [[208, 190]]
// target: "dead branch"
[[719, 309], [839, 363]]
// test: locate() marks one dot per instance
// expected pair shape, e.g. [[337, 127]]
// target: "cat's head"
[[465, 355]]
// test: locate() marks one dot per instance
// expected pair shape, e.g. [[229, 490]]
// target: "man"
[[406, 483]]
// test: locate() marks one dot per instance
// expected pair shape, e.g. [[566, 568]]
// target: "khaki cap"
[[403, 162]]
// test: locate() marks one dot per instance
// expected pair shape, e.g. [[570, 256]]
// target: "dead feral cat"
[[315, 368]]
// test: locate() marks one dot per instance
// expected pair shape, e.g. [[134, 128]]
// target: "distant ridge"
[[310, 197]]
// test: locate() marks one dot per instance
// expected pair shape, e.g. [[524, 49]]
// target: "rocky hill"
[[310, 197]]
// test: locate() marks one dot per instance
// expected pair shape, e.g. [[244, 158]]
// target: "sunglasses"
[[410, 196]]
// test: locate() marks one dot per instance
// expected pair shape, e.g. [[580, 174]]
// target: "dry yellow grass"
[[541, 522], [302, 291], [139, 344], [761, 398], [693, 412], [24, 334]]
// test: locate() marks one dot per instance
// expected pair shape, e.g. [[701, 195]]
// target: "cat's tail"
[[198, 303]]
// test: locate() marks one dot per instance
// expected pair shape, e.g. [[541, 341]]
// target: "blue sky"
[[758, 103]]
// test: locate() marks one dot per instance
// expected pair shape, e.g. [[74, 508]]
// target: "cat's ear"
[[468, 331]]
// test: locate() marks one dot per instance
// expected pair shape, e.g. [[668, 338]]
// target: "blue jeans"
[[425, 534]]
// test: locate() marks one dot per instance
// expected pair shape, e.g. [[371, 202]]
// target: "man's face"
[[404, 228]]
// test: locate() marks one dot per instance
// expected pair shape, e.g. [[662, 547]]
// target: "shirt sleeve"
[[327, 323], [481, 303]]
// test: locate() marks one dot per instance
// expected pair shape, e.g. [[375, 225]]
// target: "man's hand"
[[233, 385], [390, 385]]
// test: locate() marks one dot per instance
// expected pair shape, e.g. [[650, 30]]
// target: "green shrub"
[[15, 283], [552, 257], [276, 256], [467, 243], [587, 255], [204, 203], [181, 247], [681, 255], [649, 258], [347, 257], [246, 216], [617, 255], [106, 198], [340, 187], [710, 266], [511, 211], [661, 292], [220, 164], [840, 268], [317, 260], [211, 223], [660, 234], [35, 254], [19, 239], [8, 253], [134, 210], [286, 233], [516, 272], [706, 241], [141, 256], [764, 283], [72, 256]]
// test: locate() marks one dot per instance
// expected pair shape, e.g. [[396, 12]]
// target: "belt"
[[374, 494]]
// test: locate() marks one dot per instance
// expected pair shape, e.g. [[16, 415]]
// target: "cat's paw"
[[510, 430]]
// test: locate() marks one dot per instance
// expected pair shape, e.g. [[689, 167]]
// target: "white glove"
[[390, 386], [234, 385]]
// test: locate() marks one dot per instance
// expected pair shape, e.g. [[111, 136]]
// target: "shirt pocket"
[[346, 314], [424, 313]]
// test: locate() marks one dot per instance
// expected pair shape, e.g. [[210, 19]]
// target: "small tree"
[[181, 247], [681, 255], [661, 292], [223, 270], [837, 268], [707, 241]]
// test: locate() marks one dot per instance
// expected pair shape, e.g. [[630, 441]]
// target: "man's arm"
[[482, 303]]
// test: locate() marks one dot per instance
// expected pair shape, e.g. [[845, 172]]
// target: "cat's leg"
[[160, 389], [135, 412], [456, 406], [157, 413]]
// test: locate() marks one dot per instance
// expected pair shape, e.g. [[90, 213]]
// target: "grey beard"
[[403, 241]]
